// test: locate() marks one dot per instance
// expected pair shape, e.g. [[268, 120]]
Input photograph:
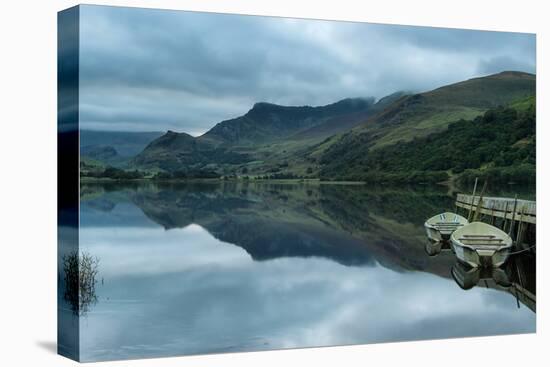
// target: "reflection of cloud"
[[154, 250], [183, 292], [148, 70]]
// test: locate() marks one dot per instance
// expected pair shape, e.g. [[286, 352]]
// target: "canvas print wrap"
[[233, 183]]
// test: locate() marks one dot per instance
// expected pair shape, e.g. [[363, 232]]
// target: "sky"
[[157, 70]]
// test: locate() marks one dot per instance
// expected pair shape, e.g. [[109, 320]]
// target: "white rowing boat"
[[441, 226], [479, 243]]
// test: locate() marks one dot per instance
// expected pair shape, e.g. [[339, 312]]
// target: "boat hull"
[[480, 257], [433, 248], [433, 234], [481, 244]]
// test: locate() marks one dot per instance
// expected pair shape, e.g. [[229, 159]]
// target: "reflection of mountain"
[[264, 239], [349, 224], [263, 228]]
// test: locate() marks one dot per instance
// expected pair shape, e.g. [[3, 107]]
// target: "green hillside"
[[425, 113], [500, 144], [181, 152]]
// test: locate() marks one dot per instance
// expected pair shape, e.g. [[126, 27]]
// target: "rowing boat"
[[481, 244], [440, 227]]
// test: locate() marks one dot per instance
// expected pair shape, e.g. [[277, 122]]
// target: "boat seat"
[[486, 247], [480, 235], [481, 239]]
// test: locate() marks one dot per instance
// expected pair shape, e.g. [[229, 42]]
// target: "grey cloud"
[[150, 69], [499, 63]]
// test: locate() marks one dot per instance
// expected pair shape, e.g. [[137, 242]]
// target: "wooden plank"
[[499, 203], [477, 240], [500, 207]]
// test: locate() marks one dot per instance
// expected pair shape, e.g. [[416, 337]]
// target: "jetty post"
[[515, 216], [473, 197]]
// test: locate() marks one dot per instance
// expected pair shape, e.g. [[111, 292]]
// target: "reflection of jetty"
[[516, 278], [514, 216], [524, 296]]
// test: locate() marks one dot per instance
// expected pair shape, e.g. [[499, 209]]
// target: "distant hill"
[[180, 151], [99, 152], [126, 144]]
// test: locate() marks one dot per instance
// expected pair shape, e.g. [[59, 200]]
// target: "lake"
[[226, 267]]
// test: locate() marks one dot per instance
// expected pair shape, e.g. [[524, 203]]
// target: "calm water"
[[207, 268]]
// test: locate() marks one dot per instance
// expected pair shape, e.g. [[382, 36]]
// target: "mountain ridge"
[[296, 140], [230, 141], [267, 121]]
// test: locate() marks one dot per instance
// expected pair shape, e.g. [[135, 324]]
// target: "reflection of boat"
[[479, 243], [441, 226], [468, 277], [434, 248]]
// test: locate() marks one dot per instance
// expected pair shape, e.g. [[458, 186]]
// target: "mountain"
[[422, 114], [99, 152], [500, 145], [267, 122], [126, 144], [345, 122], [425, 113], [256, 135], [335, 141], [180, 151]]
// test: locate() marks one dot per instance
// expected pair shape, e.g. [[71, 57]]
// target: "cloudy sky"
[[154, 70]]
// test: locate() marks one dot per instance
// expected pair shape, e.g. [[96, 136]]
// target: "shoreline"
[[293, 181], [221, 180]]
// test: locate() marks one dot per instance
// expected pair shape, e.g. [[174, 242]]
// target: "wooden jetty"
[[506, 208], [514, 216]]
